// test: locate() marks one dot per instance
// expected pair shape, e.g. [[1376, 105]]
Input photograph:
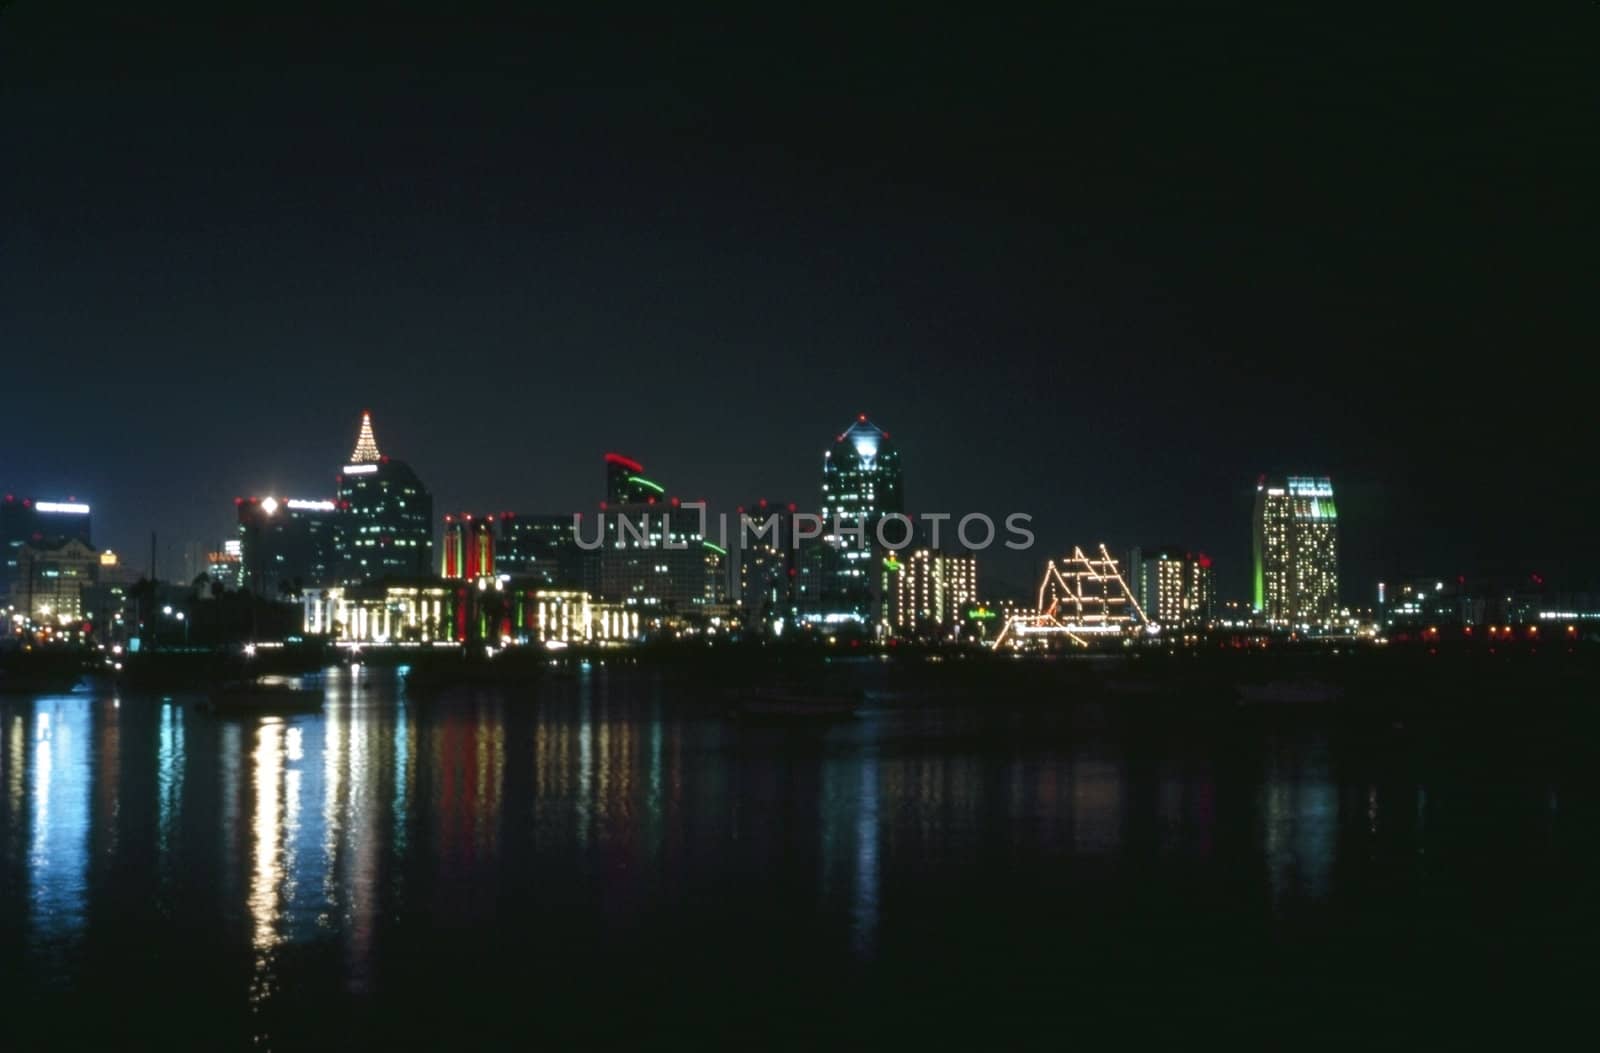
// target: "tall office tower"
[[1174, 587], [25, 521], [385, 516], [287, 544], [932, 591], [1296, 551], [767, 565], [626, 483], [654, 554], [542, 547], [841, 580]]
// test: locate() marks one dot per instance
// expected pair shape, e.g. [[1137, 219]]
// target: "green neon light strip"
[[718, 549], [642, 481]]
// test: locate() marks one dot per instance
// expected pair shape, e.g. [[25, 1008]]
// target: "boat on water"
[[795, 704], [1289, 692], [263, 694]]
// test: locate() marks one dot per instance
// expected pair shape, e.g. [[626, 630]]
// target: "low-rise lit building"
[[1173, 586], [52, 577], [932, 592], [498, 612], [395, 612]]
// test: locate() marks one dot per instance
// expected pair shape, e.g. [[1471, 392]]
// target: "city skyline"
[[1049, 314]]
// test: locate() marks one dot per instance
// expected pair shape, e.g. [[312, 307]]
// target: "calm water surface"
[[615, 860]]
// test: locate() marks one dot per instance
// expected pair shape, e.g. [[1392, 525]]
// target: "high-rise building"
[[626, 483], [287, 544], [654, 555], [385, 515], [932, 591], [542, 547], [842, 581], [25, 521], [1174, 587], [1296, 547], [767, 564]]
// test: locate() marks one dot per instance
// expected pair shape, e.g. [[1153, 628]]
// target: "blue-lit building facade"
[[842, 577]]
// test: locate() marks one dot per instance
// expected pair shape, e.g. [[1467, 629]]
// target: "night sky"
[[1105, 269]]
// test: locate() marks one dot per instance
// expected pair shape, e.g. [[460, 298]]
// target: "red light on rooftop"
[[624, 462], [1205, 561], [675, 502], [238, 501], [763, 502], [791, 506], [602, 506], [650, 500], [861, 416]]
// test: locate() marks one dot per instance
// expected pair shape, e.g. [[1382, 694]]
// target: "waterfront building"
[[490, 611], [1296, 550], [385, 515], [418, 612]]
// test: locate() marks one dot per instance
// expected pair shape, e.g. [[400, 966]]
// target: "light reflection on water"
[[334, 851]]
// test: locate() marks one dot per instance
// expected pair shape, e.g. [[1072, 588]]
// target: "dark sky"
[[1104, 269]]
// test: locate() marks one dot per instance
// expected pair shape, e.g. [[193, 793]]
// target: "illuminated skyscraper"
[[626, 483], [385, 516], [841, 578], [654, 556], [767, 565], [1296, 551]]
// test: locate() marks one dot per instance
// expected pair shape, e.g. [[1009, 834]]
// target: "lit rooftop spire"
[[366, 451]]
